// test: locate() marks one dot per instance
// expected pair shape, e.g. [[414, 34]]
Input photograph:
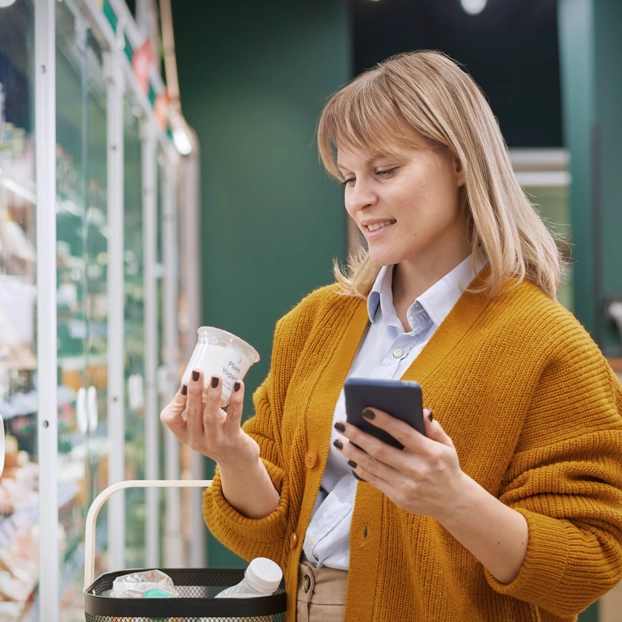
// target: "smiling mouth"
[[379, 225]]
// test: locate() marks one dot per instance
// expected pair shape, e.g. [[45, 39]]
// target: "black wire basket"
[[196, 603], [197, 586]]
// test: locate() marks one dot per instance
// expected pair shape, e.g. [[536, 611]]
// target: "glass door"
[[81, 292], [18, 344]]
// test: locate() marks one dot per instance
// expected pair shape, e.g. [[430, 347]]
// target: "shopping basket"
[[197, 586]]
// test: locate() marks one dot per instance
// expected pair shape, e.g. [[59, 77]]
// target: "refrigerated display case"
[[82, 302], [78, 345]]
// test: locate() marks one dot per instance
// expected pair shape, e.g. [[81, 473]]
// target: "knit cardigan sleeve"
[[566, 479], [266, 537], [250, 538]]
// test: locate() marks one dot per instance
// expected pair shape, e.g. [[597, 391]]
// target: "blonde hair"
[[426, 95]]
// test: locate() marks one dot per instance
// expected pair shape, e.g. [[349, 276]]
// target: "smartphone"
[[401, 399]]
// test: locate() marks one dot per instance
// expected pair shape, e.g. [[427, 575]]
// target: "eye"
[[387, 173], [345, 182]]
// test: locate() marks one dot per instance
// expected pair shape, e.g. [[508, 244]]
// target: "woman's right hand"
[[207, 428]]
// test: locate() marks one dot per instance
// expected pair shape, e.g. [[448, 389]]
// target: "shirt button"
[[310, 459], [398, 353], [311, 540], [293, 541]]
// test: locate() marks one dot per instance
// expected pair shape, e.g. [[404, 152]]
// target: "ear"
[[459, 171]]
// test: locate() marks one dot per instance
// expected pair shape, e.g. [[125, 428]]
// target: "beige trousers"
[[321, 594]]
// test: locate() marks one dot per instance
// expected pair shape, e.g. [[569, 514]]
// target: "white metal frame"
[[152, 421], [47, 423], [190, 227], [173, 542], [116, 305]]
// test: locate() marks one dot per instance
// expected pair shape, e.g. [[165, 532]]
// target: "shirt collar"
[[437, 301], [381, 294]]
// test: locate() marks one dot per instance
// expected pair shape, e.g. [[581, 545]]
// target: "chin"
[[384, 259]]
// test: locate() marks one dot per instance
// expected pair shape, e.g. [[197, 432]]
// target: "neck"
[[413, 278]]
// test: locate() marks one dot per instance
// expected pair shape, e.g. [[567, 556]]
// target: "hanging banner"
[[143, 60]]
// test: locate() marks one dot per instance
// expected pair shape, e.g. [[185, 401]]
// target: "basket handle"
[[102, 497]]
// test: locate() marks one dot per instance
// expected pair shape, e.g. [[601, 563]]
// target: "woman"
[[510, 507]]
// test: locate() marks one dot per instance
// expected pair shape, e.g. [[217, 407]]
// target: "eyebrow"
[[368, 162]]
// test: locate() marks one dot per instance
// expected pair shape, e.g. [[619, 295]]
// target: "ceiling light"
[[6, 3], [473, 7], [182, 142]]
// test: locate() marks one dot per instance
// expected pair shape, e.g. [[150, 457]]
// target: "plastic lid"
[[224, 338], [263, 575]]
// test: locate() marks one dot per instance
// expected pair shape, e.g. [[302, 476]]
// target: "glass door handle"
[[136, 392], [93, 414], [81, 415]]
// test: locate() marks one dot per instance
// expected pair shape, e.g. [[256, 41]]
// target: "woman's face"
[[406, 205]]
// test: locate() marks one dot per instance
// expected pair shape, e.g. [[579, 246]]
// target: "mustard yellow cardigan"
[[534, 412]]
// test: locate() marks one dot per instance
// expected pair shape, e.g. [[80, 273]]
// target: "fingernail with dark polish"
[[340, 427], [338, 444], [195, 375], [236, 386], [431, 416], [368, 414], [184, 390], [352, 464], [214, 382]]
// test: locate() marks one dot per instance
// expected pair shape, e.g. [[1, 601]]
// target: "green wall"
[[591, 55], [608, 60], [253, 77]]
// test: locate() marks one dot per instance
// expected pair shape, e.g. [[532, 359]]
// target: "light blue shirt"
[[386, 352]]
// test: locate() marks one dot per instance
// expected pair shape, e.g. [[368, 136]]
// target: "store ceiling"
[[510, 48]]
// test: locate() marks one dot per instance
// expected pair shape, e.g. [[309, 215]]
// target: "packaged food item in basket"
[[136, 584], [262, 577], [222, 353]]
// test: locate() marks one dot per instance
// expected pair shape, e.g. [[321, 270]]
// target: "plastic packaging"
[[222, 353], [262, 577], [137, 584]]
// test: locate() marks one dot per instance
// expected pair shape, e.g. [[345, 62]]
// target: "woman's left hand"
[[423, 478]]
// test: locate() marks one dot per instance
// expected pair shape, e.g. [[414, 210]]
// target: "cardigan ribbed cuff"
[[545, 562], [218, 512]]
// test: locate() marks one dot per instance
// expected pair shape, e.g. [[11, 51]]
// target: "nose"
[[359, 196]]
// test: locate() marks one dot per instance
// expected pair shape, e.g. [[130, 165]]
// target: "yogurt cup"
[[223, 354]]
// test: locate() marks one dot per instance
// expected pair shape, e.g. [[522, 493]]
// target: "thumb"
[[434, 430], [172, 417]]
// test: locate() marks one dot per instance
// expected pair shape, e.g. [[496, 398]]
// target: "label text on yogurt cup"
[[232, 365], [231, 371]]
